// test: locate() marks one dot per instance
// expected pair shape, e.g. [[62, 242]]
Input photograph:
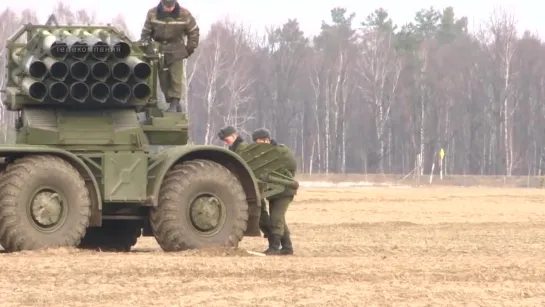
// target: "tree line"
[[370, 96]]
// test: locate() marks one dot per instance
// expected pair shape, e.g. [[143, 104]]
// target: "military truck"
[[81, 172]]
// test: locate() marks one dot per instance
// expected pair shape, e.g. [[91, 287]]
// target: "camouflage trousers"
[[171, 79], [278, 208], [265, 219]]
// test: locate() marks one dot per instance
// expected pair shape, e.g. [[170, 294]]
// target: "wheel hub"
[[46, 208], [206, 213]]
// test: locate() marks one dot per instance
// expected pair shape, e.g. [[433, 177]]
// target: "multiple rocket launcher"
[[80, 65]]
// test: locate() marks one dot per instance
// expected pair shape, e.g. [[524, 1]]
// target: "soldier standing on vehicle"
[[168, 24], [279, 240]]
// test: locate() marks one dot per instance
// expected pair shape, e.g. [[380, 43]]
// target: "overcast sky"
[[259, 14]]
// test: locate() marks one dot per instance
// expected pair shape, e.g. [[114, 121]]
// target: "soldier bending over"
[[279, 238], [230, 136]]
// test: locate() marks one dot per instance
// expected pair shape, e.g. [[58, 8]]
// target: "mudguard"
[[164, 160], [266, 161], [20, 150]]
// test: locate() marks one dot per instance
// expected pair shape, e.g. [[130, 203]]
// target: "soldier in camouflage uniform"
[[168, 24], [230, 136], [279, 239]]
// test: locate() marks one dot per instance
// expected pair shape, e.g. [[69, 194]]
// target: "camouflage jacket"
[[288, 171], [238, 145], [169, 28], [292, 162]]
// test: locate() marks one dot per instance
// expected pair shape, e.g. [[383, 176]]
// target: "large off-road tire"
[[201, 204], [43, 203], [113, 236]]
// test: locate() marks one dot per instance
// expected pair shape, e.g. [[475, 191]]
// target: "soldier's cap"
[[168, 2], [226, 131], [261, 133]]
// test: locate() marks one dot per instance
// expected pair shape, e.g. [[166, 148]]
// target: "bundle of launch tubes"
[[80, 66]]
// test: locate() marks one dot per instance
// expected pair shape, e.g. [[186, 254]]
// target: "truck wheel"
[[201, 204], [43, 203], [113, 236]]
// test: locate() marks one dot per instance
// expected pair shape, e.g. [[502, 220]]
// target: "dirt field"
[[354, 247]]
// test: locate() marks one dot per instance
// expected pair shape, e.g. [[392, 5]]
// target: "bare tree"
[[283, 72], [380, 69], [214, 66], [502, 42], [238, 79]]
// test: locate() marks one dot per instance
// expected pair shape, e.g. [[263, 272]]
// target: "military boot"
[[274, 245], [269, 237], [287, 248], [174, 105]]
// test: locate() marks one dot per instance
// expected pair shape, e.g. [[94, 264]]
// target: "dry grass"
[[354, 247], [450, 180]]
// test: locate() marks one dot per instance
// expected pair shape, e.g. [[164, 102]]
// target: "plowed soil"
[[354, 247]]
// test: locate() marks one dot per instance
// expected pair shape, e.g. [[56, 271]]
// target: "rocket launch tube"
[[79, 91], [121, 92], [119, 48], [79, 70], [98, 49], [100, 91], [141, 91], [140, 69], [57, 90], [121, 71], [29, 64], [100, 70], [52, 45], [57, 70], [34, 89]]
